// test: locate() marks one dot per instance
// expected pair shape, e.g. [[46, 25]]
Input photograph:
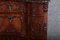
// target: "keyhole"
[[10, 18]]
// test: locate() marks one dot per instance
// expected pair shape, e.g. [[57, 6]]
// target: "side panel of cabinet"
[[37, 26]]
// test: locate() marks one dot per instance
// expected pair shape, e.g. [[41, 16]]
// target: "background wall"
[[54, 20]]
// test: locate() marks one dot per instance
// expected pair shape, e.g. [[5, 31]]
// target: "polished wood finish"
[[23, 21]]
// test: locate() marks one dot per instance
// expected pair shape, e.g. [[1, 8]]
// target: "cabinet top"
[[30, 1]]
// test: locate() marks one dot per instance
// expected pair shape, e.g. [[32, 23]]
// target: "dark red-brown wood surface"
[[28, 21]]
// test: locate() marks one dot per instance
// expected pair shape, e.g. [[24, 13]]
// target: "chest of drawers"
[[23, 19]]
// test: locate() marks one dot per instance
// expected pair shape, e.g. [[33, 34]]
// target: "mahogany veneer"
[[23, 20]]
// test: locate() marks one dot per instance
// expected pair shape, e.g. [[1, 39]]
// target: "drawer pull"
[[10, 8]]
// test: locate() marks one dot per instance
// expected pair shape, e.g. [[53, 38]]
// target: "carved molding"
[[45, 7], [9, 6], [30, 1], [35, 1]]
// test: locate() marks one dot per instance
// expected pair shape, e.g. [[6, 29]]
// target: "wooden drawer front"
[[11, 6], [12, 22]]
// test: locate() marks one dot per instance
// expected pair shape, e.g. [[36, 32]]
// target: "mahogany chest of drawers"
[[23, 19]]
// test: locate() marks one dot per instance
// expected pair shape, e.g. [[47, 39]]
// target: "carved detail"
[[45, 27], [35, 1], [5, 6], [45, 7], [10, 7]]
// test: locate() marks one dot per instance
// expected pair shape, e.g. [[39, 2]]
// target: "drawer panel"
[[11, 6]]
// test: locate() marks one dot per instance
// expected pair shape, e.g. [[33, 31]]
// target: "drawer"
[[11, 6], [15, 20]]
